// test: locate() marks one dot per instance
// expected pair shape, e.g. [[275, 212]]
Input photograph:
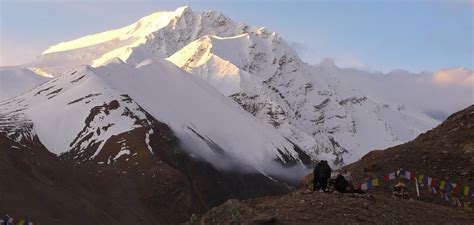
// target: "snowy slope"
[[213, 127], [80, 112], [313, 106], [159, 34], [15, 81], [316, 107], [65, 110]]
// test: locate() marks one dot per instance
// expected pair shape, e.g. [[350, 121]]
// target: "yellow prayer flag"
[[466, 190], [420, 178], [441, 184], [466, 206], [375, 182], [22, 222]]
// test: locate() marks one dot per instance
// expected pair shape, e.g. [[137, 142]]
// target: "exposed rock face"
[[313, 106]]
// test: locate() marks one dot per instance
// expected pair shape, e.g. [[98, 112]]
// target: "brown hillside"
[[445, 152]]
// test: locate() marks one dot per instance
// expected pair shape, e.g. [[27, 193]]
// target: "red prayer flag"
[[457, 188], [386, 178]]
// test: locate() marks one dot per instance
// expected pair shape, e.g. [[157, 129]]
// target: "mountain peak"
[[182, 10]]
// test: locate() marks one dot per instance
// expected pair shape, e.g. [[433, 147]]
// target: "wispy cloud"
[[454, 76]]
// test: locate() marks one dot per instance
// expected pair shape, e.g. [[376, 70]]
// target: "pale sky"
[[377, 35]]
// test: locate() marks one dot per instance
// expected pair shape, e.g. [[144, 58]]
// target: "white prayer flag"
[[408, 175], [392, 176], [364, 186]]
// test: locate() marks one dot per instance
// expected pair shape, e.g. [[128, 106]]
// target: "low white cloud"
[[350, 61], [437, 94], [454, 76]]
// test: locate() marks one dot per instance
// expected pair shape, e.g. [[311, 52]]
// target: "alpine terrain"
[[445, 152], [314, 107], [181, 111]]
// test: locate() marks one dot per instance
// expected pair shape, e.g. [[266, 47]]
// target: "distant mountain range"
[[318, 110]]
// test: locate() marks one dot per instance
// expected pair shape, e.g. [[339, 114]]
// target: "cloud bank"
[[454, 76]]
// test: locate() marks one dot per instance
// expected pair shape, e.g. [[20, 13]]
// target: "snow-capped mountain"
[[15, 81], [90, 110], [157, 35], [314, 107]]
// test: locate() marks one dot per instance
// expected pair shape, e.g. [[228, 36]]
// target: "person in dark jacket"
[[340, 184], [322, 172], [324, 175], [316, 172]]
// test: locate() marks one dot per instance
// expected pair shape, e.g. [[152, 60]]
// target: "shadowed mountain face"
[[116, 163], [165, 187]]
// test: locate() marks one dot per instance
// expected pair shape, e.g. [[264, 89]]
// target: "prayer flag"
[[375, 182], [369, 184], [448, 187], [466, 190], [456, 187], [420, 178], [401, 173], [386, 178], [458, 202], [433, 182], [430, 182], [407, 175], [425, 179], [466, 206], [364, 186], [392, 176], [22, 222], [413, 175], [433, 189]]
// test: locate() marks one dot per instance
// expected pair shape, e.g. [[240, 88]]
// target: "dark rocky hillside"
[[305, 207], [166, 187], [445, 152]]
